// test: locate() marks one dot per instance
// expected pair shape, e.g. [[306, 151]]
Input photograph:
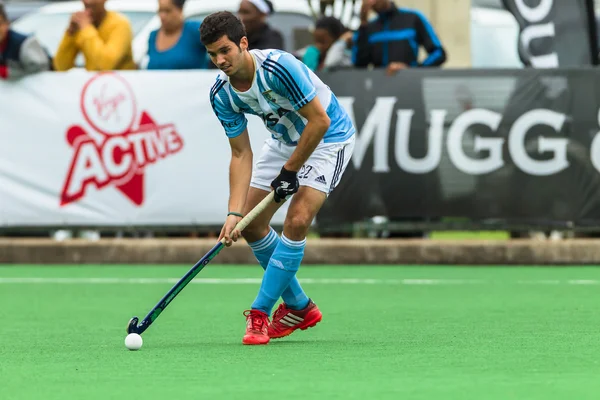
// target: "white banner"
[[126, 148]]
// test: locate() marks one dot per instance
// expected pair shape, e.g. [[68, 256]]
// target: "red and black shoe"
[[257, 323], [285, 320]]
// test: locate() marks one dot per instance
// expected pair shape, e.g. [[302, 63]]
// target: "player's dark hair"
[[332, 25], [178, 3], [3, 15], [219, 24]]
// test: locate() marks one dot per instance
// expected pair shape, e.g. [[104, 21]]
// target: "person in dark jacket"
[[20, 55], [253, 14], [393, 39]]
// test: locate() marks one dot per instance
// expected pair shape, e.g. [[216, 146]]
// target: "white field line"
[[316, 281]]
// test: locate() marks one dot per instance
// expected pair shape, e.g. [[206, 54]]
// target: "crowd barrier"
[[144, 148]]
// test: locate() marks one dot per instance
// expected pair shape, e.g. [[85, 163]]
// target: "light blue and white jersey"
[[282, 85]]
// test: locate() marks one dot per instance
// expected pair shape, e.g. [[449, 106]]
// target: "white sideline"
[[317, 281]]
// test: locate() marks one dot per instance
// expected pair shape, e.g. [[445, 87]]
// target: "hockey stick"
[[133, 327]]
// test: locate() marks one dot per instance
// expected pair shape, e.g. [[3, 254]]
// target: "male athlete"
[[311, 145]]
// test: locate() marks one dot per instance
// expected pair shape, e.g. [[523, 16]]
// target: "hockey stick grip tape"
[[260, 207]]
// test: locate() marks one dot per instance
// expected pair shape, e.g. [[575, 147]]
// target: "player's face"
[[251, 17], [226, 55], [323, 40], [171, 17]]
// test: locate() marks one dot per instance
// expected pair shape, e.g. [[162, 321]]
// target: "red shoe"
[[286, 320], [256, 327]]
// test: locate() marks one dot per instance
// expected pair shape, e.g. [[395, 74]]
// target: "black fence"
[[470, 149], [515, 150]]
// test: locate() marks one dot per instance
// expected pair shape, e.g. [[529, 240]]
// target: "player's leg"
[[318, 178], [263, 239], [259, 228], [286, 261], [260, 236]]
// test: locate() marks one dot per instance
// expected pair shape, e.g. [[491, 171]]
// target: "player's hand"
[[229, 232], [394, 67], [285, 185]]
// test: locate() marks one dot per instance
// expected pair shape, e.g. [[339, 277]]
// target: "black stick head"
[[132, 326]]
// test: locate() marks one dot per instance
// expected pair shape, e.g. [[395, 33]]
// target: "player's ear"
[[244, 43]]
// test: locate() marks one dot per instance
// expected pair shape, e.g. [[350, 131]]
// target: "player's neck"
[[244, 78]]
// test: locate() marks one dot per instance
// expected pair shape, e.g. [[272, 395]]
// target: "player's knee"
[[298, 225], [255, 232]]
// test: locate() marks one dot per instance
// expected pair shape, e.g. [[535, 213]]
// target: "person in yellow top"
[[104, 37]]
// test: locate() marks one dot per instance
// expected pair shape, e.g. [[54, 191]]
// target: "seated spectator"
[[20, 55], [176, 45], [394, 38], [331, 46], [253, 14], [104, 37]]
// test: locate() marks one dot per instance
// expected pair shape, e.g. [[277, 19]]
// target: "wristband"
[[235, 213]]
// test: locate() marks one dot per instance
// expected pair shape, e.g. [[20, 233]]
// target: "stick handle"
[[260, 207]]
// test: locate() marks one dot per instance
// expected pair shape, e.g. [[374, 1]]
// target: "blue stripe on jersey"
[[389, 36], [240, 104], [261, 85], [284, 81], [224, 99], [287, 75], [341, 128], [283, 72], [295, 119], [213, 92], [292, 116], [285, 136], [234, 123], [216, 87], [426, 23]]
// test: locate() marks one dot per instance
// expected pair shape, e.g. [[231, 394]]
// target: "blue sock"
[[293, 296], [281, 271]]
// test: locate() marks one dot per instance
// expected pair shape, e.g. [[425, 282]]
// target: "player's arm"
[[291, 79], [240, 171], [428, 38], [316, 127], [240, 166]]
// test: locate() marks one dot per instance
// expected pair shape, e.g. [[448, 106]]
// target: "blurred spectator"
[[394, 38], [104, 37], [253, 14], [176, 45], [20, 55], [331, 46]]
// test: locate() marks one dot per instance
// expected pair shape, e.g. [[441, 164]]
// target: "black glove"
[[286, 184]]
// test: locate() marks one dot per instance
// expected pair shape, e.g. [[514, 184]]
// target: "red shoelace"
[[257, 319]]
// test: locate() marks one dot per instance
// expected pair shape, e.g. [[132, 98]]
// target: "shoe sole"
[[255, 343], [302, 328]]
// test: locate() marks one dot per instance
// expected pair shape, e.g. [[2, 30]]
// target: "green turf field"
[[387, 333]]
